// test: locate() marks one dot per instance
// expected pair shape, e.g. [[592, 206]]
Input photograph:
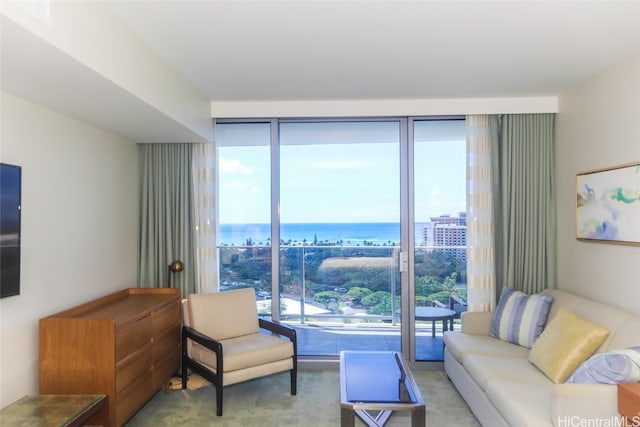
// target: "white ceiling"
[[357, 50], [313, 51], [42, 73]]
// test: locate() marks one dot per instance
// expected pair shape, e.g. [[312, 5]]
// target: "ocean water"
[[376, 233]]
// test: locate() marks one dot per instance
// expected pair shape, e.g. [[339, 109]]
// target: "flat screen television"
[[10, 199]]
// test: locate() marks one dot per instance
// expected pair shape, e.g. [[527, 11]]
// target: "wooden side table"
[[629, 403], [49, 410]]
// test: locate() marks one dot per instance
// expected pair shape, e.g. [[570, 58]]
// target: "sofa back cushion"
[[520, 318], [626, 334], [624, 327]]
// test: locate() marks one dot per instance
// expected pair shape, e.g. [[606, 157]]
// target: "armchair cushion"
[[245, 352], [236, 314]]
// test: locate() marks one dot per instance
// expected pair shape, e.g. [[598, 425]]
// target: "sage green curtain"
[[166, 230], [524, 201]]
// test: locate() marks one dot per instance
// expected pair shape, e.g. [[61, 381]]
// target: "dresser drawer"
[[130, 338], [165, 369], [132, 397], [128, 370], [166, 317], [166, 343]]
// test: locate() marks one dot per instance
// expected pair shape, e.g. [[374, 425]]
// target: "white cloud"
[[233, 166]]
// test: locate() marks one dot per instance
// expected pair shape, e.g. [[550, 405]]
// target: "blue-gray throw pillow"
[[520, 318], [612, 367]]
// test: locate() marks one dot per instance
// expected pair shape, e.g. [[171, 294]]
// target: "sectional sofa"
[[504, 388]]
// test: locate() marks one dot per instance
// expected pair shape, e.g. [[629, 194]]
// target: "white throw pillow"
[[612, 367]]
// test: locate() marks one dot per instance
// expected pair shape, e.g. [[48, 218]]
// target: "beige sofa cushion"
[[627, 334], [224, 315], [583, 403], [460, 345], [484, 369], [522, 404], [476, 322]]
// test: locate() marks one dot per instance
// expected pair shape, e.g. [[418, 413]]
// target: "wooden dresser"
[[125, 345], [629, 404]]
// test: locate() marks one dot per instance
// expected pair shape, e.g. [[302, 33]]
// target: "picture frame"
[[608, 205]]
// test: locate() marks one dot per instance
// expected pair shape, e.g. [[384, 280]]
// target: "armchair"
[[222, 341]]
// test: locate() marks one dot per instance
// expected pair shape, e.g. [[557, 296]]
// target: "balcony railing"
[[351, 291]]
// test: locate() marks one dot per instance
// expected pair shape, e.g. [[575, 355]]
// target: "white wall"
[[92, 47], [79, 226], [598, 127]]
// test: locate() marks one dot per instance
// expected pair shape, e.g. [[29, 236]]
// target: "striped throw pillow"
[[520, 318]]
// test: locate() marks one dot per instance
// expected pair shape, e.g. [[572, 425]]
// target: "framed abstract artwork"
[[608, 205]]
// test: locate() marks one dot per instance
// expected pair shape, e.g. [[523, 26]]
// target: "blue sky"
[[340, 172]]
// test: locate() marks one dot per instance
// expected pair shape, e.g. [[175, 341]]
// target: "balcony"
[[347, 297]]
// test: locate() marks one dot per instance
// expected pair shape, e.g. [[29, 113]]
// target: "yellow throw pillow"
[[566, 342]]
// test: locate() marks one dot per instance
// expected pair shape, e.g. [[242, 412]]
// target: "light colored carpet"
[[267, 402]]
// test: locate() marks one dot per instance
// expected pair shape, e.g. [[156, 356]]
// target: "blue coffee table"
[[377, 381]]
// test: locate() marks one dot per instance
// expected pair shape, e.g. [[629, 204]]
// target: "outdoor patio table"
[[434, 314]]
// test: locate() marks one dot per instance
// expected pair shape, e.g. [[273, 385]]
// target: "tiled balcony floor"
[[314, 340]]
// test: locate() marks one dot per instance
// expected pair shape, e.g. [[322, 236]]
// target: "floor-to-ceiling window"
[[244, 188], [338, 205]]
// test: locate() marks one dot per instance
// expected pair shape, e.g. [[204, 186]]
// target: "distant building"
[[449, 232], [427, 235]]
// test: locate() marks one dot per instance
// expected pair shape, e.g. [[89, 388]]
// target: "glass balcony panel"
[[350, 296]]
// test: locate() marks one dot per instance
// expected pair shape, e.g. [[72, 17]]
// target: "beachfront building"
[[449, 232]]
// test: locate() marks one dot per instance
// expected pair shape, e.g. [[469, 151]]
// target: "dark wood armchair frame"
[[216, 346]]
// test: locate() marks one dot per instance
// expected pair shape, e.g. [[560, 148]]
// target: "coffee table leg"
[[418, 417], [378, 421], [347, 417]]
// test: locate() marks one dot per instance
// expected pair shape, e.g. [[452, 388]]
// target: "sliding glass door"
[[340, 234], [339, 225]]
